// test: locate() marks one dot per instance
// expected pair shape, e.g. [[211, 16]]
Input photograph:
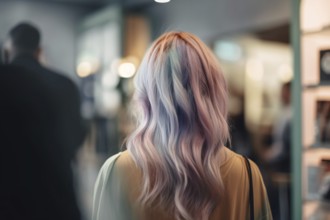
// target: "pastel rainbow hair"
[[181, 95]]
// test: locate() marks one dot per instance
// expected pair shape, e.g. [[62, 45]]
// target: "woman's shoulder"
[[108, 164], [237, 162], [125, 168], [106, 169], [112, 170], [237, 170], [232, 158], [120, 161], [110, 196], [125, 161], [238, 158]]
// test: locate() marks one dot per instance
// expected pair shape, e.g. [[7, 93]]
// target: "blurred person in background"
[[278, 155], [176, 165], [278, 159], [22, 49], [36, 182]]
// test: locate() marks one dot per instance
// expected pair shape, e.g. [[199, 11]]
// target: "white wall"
[[211, 18], [57, 23]]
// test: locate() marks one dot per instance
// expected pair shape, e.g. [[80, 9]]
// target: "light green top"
[[118, 186]]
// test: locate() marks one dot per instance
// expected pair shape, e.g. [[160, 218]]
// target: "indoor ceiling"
[[102, 2], [279, 33]]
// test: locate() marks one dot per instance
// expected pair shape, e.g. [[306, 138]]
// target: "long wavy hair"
[[181, 95]]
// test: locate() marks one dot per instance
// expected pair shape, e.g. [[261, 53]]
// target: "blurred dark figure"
[[36, 181], [277, 158], [278, 155], [22, 48], [240, 138], [57, 137]]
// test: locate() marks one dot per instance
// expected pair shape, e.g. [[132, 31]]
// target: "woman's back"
[[176, 165], [122, 188]]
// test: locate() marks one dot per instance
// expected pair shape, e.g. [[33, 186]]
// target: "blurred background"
[[100, 43]]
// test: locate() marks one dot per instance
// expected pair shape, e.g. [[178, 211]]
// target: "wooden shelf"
[[317, 86], [319, 147], [325, 30]]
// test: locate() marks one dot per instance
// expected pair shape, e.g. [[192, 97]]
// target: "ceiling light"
[[162, 1], [126, 70], [84, 69]]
